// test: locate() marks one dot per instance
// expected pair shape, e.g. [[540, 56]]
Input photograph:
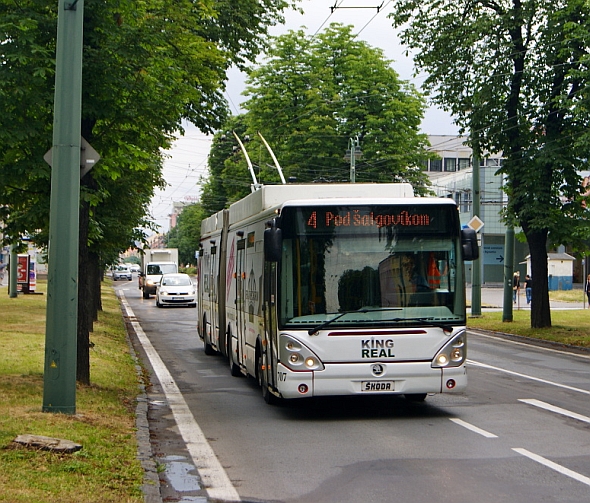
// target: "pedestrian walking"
[[515, 286], [2, 270], [587, 289], [528, 288]]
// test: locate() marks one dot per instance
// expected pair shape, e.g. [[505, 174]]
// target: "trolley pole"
[[59, 391]]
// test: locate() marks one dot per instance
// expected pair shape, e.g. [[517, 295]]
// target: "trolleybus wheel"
[[208, 348], [269, 398], [234, 370]]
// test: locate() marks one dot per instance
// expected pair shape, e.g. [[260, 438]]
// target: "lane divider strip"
[[525, 376], [473, 428], [554, 466], [553, 408]]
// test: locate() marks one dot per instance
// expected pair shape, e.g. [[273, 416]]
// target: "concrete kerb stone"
[[151, 480]]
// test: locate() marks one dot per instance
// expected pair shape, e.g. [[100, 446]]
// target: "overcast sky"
[[188, 158]]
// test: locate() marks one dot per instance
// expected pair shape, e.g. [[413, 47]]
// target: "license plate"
[[177, 298], [377, 386]]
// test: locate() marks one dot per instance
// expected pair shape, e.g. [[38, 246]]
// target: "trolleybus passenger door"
[[213, 283], [270, 319], [240, 297]]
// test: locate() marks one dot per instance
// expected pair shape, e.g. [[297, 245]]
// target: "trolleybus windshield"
[[379, 265]]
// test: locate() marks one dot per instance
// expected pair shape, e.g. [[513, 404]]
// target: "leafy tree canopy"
[[147, 67], [186, 234], [309, 99], [515, 74]]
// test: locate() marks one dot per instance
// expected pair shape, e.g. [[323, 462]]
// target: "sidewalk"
[[492, 299]]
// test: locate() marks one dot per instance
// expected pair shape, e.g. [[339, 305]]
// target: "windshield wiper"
[[315, 330], [427, 321]]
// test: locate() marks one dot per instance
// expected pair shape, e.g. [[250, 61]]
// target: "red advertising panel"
[[22, 270]]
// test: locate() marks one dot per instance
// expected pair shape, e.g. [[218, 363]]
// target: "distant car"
[[134, 267], [122, 272], [176, 289]]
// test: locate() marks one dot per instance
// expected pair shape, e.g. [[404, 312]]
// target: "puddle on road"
[[178, 474]]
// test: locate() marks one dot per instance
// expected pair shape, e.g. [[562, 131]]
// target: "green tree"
[[146, 68], [514, 72], [186, 234], [225, 184], [311, 96]]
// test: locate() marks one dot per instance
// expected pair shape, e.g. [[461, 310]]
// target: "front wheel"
[[261, 370]]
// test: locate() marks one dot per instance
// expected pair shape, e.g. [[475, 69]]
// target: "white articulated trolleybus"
[[337, 289]]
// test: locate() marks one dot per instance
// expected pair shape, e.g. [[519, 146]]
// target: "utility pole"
[[353, 154], [59, 391], [507, 311], [476, 264], [12, 293]]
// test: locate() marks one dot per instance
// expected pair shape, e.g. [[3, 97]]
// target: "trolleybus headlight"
[[310, 362], [453, 353], [296, 356]]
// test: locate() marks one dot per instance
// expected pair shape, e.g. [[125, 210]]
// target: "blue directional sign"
[[493, 254]]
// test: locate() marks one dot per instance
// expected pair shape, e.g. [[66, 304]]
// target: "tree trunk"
[[84, 318], [94, 285], [540, 307]]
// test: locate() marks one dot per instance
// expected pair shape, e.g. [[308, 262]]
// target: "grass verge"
[[571, 328], [568, 327], [106, 469]]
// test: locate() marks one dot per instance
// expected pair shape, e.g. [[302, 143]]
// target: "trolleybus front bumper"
[[371, 378]]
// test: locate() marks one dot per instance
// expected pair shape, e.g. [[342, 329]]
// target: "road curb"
[[151, 480]]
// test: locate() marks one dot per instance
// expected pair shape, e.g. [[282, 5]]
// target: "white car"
[[122, 272], [134, 267], [176, 289]]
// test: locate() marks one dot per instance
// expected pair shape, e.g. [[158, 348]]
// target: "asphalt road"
[[520, 433]]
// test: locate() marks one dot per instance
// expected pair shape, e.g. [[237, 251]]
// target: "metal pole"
[[12, 291], [476, 265], [507, 314], [352, 161], [59, 392]]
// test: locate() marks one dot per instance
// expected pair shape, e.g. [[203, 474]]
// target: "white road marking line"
[[553, 408], [554, 466], [525, 376], [475, 429], [213, 475]]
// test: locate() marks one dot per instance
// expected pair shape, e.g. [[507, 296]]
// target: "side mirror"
[[273, 244], [469, 244]]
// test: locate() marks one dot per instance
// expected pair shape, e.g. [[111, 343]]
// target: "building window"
[[436, 165], [464, 163], [450, 164], [466, 202]]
